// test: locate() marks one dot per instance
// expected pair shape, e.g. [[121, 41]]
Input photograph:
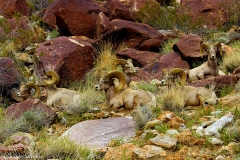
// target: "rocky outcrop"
[[189, 47], [211, 12], [73, 17], [117, 10], [131, 33], [142, 58], [9, 7], [70, 57]]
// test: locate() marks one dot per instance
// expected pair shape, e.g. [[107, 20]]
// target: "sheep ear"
[[219, 46], [203, 45]]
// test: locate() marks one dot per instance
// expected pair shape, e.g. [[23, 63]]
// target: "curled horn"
[[54, 77], [36, 88], [218, 45], [118, 62], [120, 76], [181, 73], [203, 46]]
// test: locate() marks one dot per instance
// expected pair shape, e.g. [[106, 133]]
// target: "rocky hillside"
[[53, 53]]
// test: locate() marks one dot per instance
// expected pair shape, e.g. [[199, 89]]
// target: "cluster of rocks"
[[82, 25]]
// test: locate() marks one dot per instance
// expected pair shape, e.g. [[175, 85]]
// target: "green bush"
[[29, 122], [162, 17], [141, 116]]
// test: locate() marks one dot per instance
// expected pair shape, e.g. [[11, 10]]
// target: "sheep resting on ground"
[[118, 96]]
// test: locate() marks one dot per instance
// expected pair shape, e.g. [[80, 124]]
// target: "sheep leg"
[[201, 100]]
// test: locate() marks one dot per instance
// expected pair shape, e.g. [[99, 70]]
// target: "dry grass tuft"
[[172, 99]]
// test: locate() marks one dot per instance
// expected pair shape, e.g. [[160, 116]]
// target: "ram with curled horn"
[[60, 98], [26, 91], [127, 68], [117, 96], [193, 96], [209, 68]]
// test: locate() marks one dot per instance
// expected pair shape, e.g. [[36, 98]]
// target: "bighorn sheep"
[[209, 68], [127, 67], [25, 91], [118, 96], [60, 98], [193, 96]]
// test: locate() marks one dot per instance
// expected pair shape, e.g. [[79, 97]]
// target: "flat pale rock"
[[98, 133]]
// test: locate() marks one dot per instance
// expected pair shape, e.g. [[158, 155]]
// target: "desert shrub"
[[63, 149], [162, 17], [147, 87], [224, 91], [30, 121], [106, 55], [141, 116], [162, 128], [232, 8], [231, 62], [167, 46], [38, 5], [172, 99]]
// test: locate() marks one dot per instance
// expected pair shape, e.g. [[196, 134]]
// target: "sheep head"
[[126, 65], [211, 50], [25, 90], [171, 76], [108, 80], [51, 77]]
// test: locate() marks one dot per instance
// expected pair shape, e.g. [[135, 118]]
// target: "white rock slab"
[[98, 133]]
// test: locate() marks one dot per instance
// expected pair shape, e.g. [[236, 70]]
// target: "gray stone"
[[164, 141], [98, 133]]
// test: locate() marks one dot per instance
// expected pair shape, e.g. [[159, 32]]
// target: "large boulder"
[[117, 10], [9, 73], [141, 57], [189, 47], [16, 110], [70, 57], [131, 33], [218, 81], [9, 7], [73, 17], [155, 69], [98, 133]]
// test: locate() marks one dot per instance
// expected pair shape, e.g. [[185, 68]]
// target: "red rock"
[[133, 34], [73, 17], [16, 110], [117, 10], [142, 57], [9, 72], [9, 7], [211, 12], [70, 57], [189, 47]]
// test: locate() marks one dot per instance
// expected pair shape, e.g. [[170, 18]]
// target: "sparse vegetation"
[[29, 122], [231, 62], [141, 116], [167, 46], [63, 149], [172, 100]]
